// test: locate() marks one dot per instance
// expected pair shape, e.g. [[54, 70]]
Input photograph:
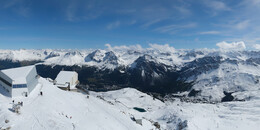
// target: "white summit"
[[67, 79], [19, 81]]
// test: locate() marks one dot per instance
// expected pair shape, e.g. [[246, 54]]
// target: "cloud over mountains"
[[231, 46]]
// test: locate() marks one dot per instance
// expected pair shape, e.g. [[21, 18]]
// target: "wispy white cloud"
[[231, 46], [183, 10], [24, 11], [174, 28], [17, 6], [136, 47], [215, 7], [149, 23], [109, 47], [126, 11], [234, 28], [144, 13], [250, 3], [256, 46], [218, 5], [162, 48], [242, 24], [113, 25], [153, 12], [82, 10], [132, 22], [255, 2], [70, 13], [6, 28], [209, 32], [10, 3], [250, 41]]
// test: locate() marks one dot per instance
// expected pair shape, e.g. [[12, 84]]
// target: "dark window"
[[19, 86], [6, 82]]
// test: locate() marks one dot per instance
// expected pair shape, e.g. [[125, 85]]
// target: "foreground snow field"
[[196, 116], [54, 109], [58, 109]]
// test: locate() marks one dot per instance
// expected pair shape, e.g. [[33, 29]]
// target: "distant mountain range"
[[203, 74]]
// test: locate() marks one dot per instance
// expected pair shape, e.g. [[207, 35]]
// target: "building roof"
[[18, 75], [64, 76]]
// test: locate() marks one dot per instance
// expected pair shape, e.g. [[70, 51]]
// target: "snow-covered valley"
[[160, 69], [129, 65], [194, 85], [58, 109]]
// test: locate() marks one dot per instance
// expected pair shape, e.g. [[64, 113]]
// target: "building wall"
[[74, 79], [32, 80], [4, 85], [7, 88], [30, 84], [19, 92]]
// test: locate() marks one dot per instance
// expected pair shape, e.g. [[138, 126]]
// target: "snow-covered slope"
[[58, 109], [54, 109], [175, 115], [98, 58], [102, 59], [233, 72], [67, 58], [211, 72], [22, 54]]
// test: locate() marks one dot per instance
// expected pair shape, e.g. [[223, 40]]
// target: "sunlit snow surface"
[[54, 109], [221, 116], [112, 110], [239, 73]]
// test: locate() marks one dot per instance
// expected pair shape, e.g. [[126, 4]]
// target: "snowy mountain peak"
[[141, 60], [96, 56], [191, 75], [111, 58], [52, 54], [145, 58], [74, 53]]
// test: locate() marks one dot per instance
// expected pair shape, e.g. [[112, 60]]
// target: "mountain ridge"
[[151, 70]]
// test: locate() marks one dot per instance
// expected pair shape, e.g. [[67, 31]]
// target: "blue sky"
[[80, 24]]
